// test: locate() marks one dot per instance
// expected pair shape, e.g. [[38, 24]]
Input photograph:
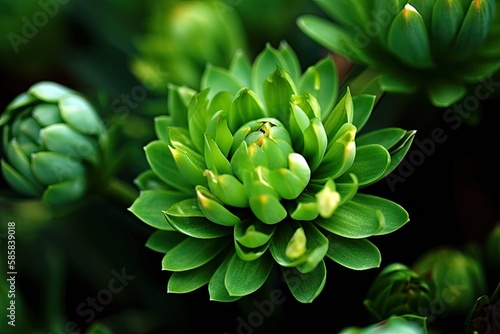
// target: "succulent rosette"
[[51, 139], [261, 168], [396, 291], [440, 47]]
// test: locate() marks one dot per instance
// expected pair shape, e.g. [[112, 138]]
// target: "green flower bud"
[[441, 47], [397, 290], [51, 139], [263, 167], [456, 278]]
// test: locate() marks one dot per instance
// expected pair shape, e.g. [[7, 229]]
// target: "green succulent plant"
[[50, 136], [456, 278], [400, 324], [396, 291], [260, 169], [440, 47]]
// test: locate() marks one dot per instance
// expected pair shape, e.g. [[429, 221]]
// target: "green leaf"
[[250, 254], [244, 277], [363, 106], [228, 189], [20, 101], [290, 57], [65, 192], [218, 130], [317, 246], [79, 113], [214, 209], [49, 91], [162, 125], [353, 220], [241, 68], [46, 114], [447, 17], [305, 287], [306, 208], [193, 253], [190, 165], [278, 89], [163, 164], [398, 152], [341, 114], [63, 139], [186, 217], [219, 80], [265, 63], [395, 216], [278, 248], [148, 180], [191, 280], [178, 102], [263, 199], [474, 29], [387, 137], [245, 107], [289, 183], [216, 285], [369, 166], [198, 118], [150, 204], [445, 93], [19, 160], [357, 254], [347, 12], [18, 182], [408, 38], [164, 241], [322, 81], [51, 167], [332, 36], [340, 155], [253, 233]]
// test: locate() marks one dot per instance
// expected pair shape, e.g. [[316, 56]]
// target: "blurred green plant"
[[439, 47], [56, 147], [51, 138], [401, 324], [397, 290], [262, 167], [182, 37], [456, 277]]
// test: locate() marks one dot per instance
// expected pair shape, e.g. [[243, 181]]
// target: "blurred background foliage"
[[121, 55]]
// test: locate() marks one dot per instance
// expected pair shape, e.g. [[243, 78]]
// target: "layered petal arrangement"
[[261, 169], [50, 138], [438, 46]]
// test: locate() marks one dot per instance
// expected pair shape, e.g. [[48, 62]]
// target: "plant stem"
[[118, 192]]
